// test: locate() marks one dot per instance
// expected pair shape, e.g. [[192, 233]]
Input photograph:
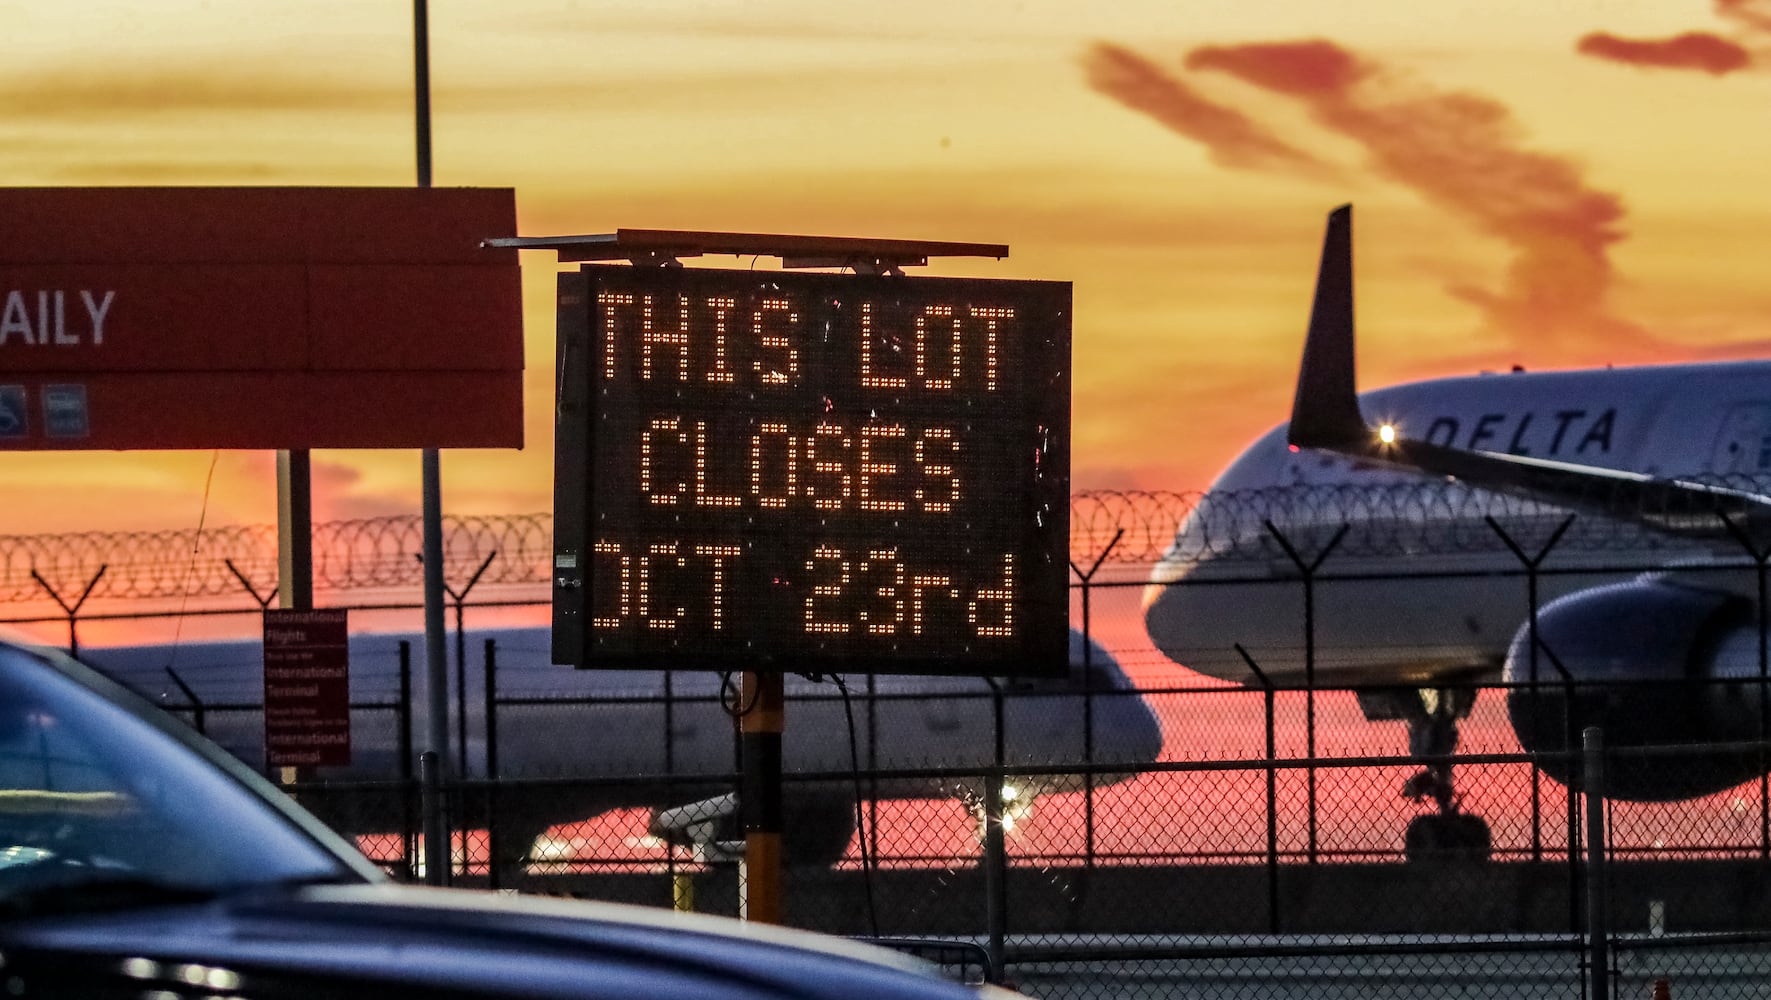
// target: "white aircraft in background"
[[555, 722], [1638, 454]]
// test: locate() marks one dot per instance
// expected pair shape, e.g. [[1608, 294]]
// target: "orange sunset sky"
[[1550, 185]]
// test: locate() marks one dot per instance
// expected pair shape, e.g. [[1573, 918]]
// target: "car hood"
[[361, 940]]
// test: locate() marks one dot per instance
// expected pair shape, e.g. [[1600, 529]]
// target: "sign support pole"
[[436, 670], [295, 530], [760, 727], [295, 543]]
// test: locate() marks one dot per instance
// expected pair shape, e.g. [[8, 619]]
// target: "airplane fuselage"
[[1229, 580], [657, 739]]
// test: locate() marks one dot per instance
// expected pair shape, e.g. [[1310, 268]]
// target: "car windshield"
[[93, 794]]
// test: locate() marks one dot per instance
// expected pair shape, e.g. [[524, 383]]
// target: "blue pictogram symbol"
[[64, 411], [12, 412]]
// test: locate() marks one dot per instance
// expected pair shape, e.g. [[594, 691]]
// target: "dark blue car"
[[137, 859]]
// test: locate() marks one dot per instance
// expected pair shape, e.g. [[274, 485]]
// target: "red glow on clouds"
[[1755, 14], [1696, 50], [1299, 69], [1702, 51], [1462, 152], [1233, 138]]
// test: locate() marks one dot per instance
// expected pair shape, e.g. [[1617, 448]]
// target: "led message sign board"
[[811, 472], [262, 318]]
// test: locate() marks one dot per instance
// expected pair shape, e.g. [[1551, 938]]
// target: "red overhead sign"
[[258, 318]]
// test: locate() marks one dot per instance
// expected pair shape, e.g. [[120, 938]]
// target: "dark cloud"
[[1466, 154], [1694, 50], [1753, 14], [1233, 138], [1702, 51], [1299, 69]]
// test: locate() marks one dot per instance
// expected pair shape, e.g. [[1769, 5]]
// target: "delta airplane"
[[558, 723], [1424, 601]]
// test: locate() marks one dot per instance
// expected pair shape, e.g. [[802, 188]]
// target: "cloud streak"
[[1699, 51], [132, 92], [1694, 50], [1304, 69], [1465, 154], [1751, 14], [1232, 138]]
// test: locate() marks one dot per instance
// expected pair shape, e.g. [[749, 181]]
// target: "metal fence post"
[[1272, 793], [408, 836], [872, 834], [491, 709], [1088, 732], [1088, 699], [1569, 692], [1532, 566], [1759, 557], [72, 610], [197, 706], [459, 598], [437, 854], [995, 846], [682, 890], [264, 600], [1593, 775], [1308, 571]]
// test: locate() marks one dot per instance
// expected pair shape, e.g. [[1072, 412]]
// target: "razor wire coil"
[[1230, 526]]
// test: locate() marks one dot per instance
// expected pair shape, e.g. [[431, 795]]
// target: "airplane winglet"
[[1325, 412]]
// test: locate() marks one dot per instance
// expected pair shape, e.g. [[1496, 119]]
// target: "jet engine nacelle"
[[1651, 662]]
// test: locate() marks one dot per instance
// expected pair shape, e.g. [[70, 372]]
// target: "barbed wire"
[[1402, 517], [365, 554], [382, 552]]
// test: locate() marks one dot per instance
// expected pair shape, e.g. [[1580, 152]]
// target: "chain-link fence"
[[1085, 901], [1244, 876], [1370, 782]]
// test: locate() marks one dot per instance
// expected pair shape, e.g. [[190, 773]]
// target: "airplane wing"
[[1326, 416]]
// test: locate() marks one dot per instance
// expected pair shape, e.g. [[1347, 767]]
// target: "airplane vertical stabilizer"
[[1325, 413]]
